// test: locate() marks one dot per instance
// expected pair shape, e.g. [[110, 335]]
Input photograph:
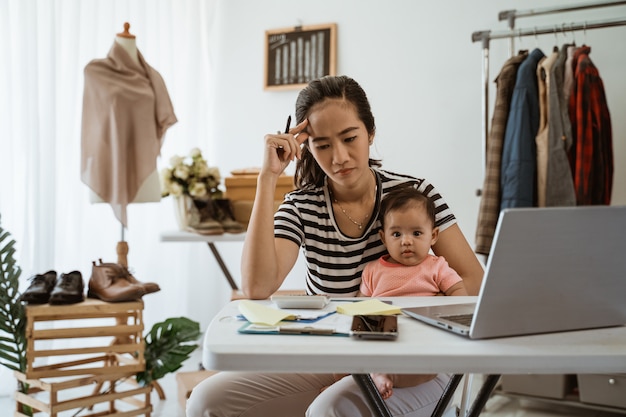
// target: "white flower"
[[176, 160], [198, 190], [175, 189], [195, 153], [215, 173], [181, 171]]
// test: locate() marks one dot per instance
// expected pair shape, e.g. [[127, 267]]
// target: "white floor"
[[497, 406]]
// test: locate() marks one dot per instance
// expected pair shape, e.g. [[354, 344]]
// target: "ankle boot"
[[108, 284], [69, 289], [41, 285], [207, 223], [226, 217], [122, 271]]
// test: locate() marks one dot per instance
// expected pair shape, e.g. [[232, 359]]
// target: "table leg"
[[220, 261], [483, 395], [365, 382], [447, 395]]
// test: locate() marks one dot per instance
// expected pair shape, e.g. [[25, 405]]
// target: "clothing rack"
[[485, 36]]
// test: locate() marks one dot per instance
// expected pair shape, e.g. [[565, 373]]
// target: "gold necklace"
[[358, 224]]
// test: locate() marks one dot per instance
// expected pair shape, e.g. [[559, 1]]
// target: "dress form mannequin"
[[150, 190]]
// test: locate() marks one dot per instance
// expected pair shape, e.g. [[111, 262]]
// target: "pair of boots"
[[215, 218], [112, 282], [47, 288]]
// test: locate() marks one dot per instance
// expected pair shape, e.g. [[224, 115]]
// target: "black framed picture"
[[294, 56]]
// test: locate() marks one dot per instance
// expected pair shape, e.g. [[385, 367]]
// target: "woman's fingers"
[[288, 144]]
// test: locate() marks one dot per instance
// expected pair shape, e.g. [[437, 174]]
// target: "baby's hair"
[[401, 198]]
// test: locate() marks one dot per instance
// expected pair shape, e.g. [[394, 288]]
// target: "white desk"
[[180, 236], [420, 348]]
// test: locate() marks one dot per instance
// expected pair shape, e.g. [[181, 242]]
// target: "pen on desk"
[[288, 124]]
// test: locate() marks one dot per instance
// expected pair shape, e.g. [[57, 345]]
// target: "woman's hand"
[[282, 148]]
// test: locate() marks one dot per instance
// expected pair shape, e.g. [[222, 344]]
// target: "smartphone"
[[374, 327]]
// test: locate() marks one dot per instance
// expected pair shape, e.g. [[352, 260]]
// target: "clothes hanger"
[[126, 33]]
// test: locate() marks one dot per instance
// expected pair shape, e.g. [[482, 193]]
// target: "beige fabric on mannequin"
[[126, 111]]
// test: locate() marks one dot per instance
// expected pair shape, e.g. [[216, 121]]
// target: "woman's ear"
[[371, 140]]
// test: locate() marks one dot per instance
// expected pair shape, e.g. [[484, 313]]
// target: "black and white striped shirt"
[[334, 261]]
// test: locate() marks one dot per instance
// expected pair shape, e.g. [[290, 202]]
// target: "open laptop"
[[550, 269]]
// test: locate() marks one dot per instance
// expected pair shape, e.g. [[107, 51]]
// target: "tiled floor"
[[497, 406]]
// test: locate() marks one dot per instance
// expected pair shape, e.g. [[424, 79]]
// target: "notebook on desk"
[[549, 270]]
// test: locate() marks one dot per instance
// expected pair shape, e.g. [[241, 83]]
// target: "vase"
[[186, 212]]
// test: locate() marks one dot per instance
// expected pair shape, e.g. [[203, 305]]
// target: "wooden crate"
[[243, 187], [109, 339], [107, 395]]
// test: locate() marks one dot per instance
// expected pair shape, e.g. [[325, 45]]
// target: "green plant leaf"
[[167, 345], [12, 314]]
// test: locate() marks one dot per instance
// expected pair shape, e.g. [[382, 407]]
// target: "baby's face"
[[408, 234]]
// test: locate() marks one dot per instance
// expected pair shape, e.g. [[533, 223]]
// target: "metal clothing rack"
[[485, 36]]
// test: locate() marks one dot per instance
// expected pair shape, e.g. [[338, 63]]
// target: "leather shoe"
[[108, 284], [41, 286], [122, 271], [69, 289]]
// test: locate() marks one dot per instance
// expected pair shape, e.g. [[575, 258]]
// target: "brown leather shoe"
[[122, 271], [69, 289], [107, 284], [41, 285]]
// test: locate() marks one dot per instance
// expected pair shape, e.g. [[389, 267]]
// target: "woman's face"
[[338, 140]]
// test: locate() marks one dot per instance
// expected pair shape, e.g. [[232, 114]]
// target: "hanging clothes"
[[517, 175], [591, 156], [559, 183], [490, 198], [126, 111], [541, 140]]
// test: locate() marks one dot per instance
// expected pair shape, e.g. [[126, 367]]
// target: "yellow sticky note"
[[372, 306], [260, 314]]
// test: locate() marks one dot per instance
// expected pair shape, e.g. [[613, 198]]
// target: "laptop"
[[550, 270]]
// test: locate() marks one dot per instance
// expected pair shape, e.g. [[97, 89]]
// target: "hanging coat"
[[591, 156], [490, 196], [559, 183], [517, 175]]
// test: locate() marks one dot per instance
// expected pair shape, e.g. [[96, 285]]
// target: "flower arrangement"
[[191, 176]]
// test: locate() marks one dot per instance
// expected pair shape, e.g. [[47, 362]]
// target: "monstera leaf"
[[12, 315], [167, 346]]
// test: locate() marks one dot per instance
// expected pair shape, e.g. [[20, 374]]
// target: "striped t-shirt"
[[334, 261]]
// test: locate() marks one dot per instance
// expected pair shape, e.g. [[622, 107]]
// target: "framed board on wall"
[[294, 56]]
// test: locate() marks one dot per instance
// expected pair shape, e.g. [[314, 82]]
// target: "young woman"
[[333, 217]]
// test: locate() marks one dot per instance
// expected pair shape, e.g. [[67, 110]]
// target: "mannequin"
[[150, 190]]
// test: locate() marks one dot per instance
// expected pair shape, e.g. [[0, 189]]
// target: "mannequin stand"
[[122, 259]]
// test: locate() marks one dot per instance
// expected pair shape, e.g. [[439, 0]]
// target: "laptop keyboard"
[[464, 319]]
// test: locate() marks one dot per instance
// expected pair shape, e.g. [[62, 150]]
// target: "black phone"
[[374, 327]]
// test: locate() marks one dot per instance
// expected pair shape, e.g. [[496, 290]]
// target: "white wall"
[[421, 71]]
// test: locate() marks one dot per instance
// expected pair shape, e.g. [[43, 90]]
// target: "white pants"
[[234, 394]]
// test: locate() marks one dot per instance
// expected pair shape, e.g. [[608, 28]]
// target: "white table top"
[[181, 236], [420, 348]]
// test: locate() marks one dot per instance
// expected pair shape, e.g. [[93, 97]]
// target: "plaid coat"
[[490, 197]]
